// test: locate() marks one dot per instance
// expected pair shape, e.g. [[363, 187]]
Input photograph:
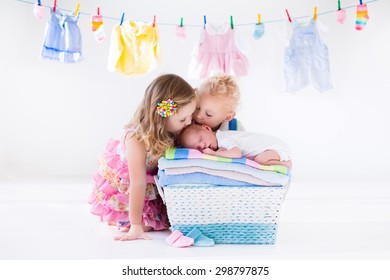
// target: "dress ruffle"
[[109, 197]]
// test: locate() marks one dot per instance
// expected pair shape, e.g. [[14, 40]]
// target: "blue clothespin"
[[204, 22], [123, 16]]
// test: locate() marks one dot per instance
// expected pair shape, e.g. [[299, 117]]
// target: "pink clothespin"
[[288, 15], [154, 21]]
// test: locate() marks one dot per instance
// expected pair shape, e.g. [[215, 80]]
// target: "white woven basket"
[[235, 215]]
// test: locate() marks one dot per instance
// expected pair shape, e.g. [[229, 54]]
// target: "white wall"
[[55, 118]]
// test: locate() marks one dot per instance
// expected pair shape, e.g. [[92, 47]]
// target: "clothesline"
[[201, 25]]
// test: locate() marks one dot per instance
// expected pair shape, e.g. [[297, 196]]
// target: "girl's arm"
[[136, 158], [231, 153]]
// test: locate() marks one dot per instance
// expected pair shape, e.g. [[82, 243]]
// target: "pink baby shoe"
[[177, 239]]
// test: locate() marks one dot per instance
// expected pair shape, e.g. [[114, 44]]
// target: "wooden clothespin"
[[154, 20]]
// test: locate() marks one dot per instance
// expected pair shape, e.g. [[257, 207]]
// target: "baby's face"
[[199, 137], [211, 110]]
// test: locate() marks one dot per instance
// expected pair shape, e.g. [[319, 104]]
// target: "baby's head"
[[198, 137], [218, 98]]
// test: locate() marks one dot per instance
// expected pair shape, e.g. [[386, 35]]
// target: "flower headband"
[[166, 108]]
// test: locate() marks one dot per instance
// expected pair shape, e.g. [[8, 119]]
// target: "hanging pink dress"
[[217, 52]]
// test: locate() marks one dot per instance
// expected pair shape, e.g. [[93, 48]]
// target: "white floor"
[[48, 220]]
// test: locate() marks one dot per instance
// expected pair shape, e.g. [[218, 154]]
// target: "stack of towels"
[[228, 200]]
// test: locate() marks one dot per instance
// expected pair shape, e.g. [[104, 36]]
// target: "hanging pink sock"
[[341, 15], [39, 11], [180, 32], [361, 16], [97, 27]]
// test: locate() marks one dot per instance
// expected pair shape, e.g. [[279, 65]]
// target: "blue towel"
[[197, 178]]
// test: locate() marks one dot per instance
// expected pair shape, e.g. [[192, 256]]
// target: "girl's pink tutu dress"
[[109, 197]]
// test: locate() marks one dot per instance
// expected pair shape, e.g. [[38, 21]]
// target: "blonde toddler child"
[[125, 194], [218, 99]]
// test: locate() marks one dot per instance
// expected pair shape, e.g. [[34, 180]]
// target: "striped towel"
[[184, 153]]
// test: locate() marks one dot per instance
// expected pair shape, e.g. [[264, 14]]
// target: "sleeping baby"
[[263, 149]]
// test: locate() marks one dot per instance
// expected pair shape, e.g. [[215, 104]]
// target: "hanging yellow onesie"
[[134, 48]]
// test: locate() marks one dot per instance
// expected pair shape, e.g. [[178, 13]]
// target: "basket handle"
[[159, 188]]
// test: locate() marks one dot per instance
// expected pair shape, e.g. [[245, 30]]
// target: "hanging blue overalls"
[[306, 59]]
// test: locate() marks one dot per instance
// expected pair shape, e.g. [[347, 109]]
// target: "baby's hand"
[[209, 151], [135, 232]]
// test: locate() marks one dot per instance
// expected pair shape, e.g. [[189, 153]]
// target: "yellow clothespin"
[[76, 12], [315, 13], [258, 18]]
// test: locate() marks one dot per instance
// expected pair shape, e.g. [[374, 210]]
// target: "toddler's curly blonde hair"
[[222, 85]]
